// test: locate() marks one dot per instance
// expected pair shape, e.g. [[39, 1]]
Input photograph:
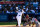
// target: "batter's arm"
[[22, 12]]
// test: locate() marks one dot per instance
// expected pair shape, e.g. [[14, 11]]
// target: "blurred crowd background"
[[31, 7]]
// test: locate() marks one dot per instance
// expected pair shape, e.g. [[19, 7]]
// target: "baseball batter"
[[19, 16]]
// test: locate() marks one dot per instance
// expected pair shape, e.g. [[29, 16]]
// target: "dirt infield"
[[15, 26]]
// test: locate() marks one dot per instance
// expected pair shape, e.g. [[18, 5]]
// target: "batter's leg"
[[19, 22]]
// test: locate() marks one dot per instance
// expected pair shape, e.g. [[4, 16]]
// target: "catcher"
[[27, 21]]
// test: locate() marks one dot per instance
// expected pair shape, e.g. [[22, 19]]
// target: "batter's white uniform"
[[19, 16]]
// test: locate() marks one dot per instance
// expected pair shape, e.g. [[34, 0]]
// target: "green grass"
[[8, 23]]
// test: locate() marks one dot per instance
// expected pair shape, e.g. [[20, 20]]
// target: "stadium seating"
[[9, 7]]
